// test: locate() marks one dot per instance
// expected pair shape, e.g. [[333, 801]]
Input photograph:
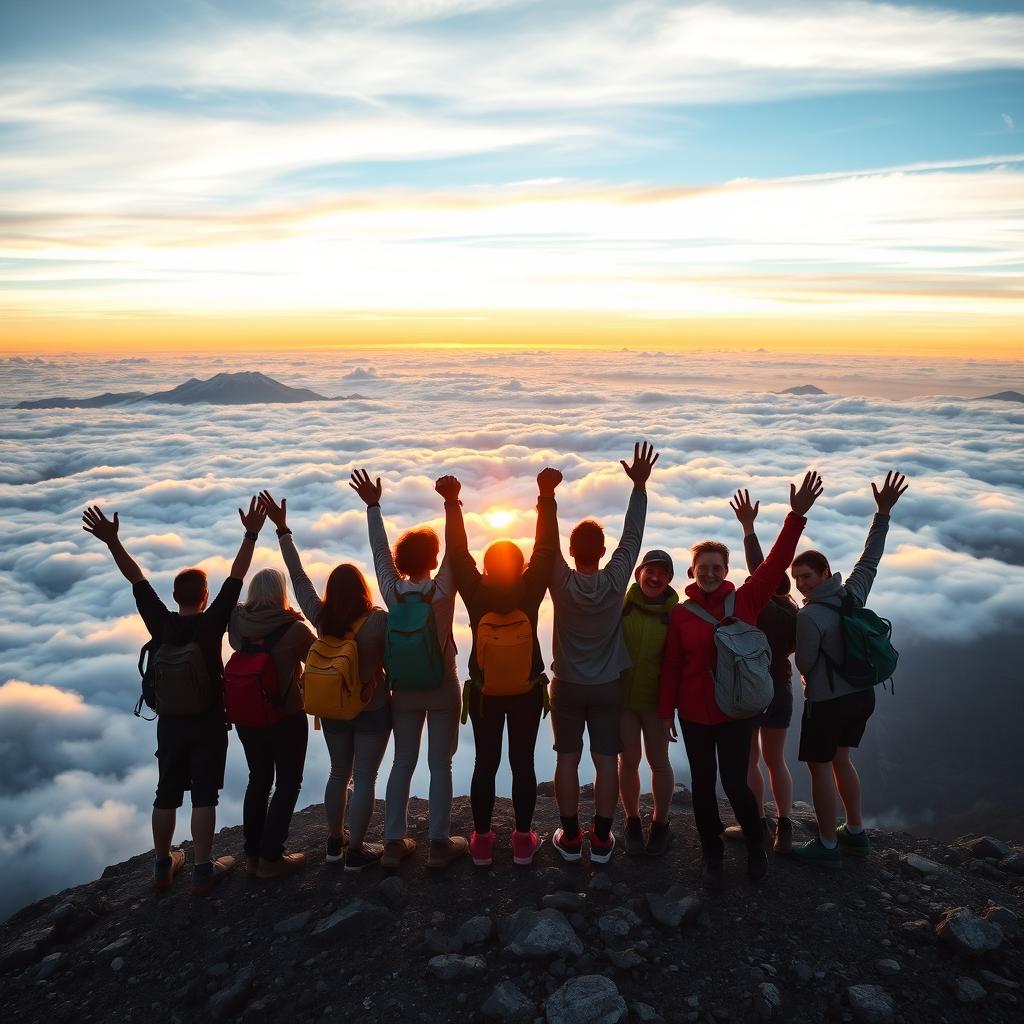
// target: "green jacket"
[[644, 628]]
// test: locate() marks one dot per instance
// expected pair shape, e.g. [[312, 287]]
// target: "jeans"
[[355, 756]]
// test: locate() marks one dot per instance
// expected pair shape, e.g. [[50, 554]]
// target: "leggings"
[[488, 715], [355, 756]]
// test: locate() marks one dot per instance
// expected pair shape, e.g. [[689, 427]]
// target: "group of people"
[[631, 656]]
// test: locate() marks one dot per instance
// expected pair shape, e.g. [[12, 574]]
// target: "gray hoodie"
[[588, 644], [818, 625]]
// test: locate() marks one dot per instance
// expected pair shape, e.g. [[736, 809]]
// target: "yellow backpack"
[[330, 683], [504, 653]]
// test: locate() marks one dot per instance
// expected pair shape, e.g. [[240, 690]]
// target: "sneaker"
[[734, 833], [481, 849], [363, 856], [712, 876], [757, 862], [164, 872], [659, 840], [570, 849], [815, 853], [524, 846], [443, 852], [634, 838], [783, 842], [856, 844], [336, 846], [286, 864], [600, 850], [395, 851], [204, 881]]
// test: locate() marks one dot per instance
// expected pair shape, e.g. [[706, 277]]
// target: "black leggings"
[[731, 742], [488, 715]]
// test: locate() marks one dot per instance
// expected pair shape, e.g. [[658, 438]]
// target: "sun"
[[499, 518]]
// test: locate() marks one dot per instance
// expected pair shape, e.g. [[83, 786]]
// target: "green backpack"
[[869, 657], [412, 653]]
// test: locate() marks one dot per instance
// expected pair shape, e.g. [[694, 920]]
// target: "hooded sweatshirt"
[[588, 644], [819, 626], [287, 654], [644, 629]]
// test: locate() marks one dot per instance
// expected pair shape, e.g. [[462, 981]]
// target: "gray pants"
[[442, 742], [355, 756]]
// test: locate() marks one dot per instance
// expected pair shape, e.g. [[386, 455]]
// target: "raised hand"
[[644, 459], [448, 487], [254, 519], [277, 514], [547, 480], [800, 501], [891, 491], [367, 490], [99, 525], [745, 512]]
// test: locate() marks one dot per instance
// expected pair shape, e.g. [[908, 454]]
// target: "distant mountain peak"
[[803, 389], [1002, 396]]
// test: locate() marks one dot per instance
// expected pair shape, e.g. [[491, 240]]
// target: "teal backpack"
[[412, 653], [869, 657]]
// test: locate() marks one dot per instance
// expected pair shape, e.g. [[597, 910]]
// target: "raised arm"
[[620, 565], [305, 592], [104, 529], [859, 582], [383, 562], [545, 541], [252, 522], [746, 513], [456, 543]]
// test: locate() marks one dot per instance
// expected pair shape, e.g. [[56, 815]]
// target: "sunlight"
[[499, 518]]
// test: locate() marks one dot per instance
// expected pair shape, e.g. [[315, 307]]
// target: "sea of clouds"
[[77, 770]]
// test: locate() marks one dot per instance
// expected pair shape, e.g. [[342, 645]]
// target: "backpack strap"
[[357, 624], [730, 604], [702, 613]]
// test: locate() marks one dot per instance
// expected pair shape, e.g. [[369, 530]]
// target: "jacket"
[[644, 628]]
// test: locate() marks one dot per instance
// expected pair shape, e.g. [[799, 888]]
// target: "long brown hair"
[[346, 598]]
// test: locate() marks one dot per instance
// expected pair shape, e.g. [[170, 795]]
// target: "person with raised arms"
[[183, 683], [507, 683], [419, 656], [837, 705], [589, 658], [688, 684]]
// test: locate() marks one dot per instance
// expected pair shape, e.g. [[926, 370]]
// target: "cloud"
[[1008, 121]]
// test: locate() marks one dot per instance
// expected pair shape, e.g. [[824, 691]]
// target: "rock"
[[121, 942], [967, 990], [75, 916], [888, 966], [438, 941], [969, 934], [802, 970], [453, 967], [871, 1004], [618, 924], [674, 907], [600, 883], [26, 949], [682, 797], [392, 891], [49, 965], [566, 902], [986, 846], [767, 1001], [590, 999], [1007, 920], [643, 1013], [295, 923], [625, 959], [353, 918], [922, 865], [997, 980], [539, 934], [117, 964], [508, 1004], [228, 1000], [1014, 863], [476, 931]]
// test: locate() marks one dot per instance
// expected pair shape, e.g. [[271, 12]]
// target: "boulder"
[[1007, 920], [1014, 863], [589, 999], [969, 934], [392, 891], [539, 934], [888, 966], [618, 924], [508, 1004], [871, 1004], [674, 907], [229, 1000], [351, 919], [453, 967], [476, 931], [987, 846], [968, 991], [625, 959], [922, 865]]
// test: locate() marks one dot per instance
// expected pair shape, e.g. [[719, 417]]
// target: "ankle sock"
[[602, 827], [571, 827], [829, 844], [854, 830], [635, 827]]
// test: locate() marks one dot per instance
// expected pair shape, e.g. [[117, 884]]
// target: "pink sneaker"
[[481, 848], [524, 846]]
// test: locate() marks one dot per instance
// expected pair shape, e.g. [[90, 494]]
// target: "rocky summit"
[[920, 931]]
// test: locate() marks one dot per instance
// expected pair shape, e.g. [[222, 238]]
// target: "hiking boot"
[[286, 864], [734, 833], [443, 851], [524, 846], [206, 876], [481, 849], [783, 842], [634, 837], [252, 865], [570, 849], [601, 850], [659, 840], [757, 862], [814, 852], [856, 844], [363, 856], [711, 875], [164, 871], [395, 851], [336, 846]]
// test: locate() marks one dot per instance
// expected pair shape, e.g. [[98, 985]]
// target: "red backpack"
[[252, 691]]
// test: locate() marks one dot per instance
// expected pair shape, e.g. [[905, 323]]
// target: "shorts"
[[779, 713], [376, 721], [191, 754], [828, 725], [578, 705]]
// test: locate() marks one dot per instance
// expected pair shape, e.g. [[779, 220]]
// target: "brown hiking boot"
[[395, 851], [286, 865], [444, 851], [163, 874], [204, 881]]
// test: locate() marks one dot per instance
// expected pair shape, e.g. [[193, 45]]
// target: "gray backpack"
[[180, 680], [743, 679]]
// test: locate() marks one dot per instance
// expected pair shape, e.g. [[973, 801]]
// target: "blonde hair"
[[267, 589]]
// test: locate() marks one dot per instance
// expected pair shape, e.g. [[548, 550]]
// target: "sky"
[[837, 176]]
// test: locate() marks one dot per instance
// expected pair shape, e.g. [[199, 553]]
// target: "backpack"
[[869, 657], [504, 653], [330, 683], [252, 691], [412, 653], [743, 680], [175, 679]]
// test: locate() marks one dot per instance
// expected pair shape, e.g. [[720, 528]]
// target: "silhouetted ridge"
[[1002, 396]]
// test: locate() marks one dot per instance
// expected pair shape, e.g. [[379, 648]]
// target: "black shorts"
[[191, 753], [575, 706], [779, 713], [828, 725]]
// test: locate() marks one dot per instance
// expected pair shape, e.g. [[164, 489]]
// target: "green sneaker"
[[856, 844], [814, 853]]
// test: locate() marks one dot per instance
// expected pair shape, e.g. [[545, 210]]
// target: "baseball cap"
[[660, 557]]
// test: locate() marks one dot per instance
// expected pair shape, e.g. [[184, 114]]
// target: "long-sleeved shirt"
[[819, 626], [588, 644]]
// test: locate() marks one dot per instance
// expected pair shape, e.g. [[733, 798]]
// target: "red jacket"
[[687, 670]]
